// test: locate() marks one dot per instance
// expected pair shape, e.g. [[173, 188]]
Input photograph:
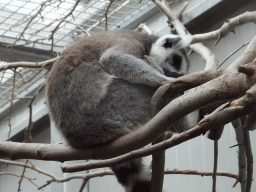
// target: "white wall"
[[198, 153]]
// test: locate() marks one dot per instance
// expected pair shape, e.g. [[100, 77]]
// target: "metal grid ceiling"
[[15, 15], [24, 78]]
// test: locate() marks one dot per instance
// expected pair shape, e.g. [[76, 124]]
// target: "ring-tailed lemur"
[[101, 87]]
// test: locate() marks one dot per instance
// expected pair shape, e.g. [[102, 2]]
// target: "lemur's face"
[[168, 53], [172, 66], [175, 65]]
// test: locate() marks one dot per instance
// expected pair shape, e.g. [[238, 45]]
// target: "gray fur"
[[101, 87]]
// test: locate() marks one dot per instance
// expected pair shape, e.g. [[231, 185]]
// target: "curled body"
[[101, 88]]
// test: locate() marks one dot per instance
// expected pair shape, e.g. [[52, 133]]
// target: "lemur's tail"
[[133, 176]]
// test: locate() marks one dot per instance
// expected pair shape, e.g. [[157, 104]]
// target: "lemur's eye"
[[168, 43], [172, 42]]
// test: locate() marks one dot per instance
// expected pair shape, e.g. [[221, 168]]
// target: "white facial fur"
[[183, 67], [160, 53]]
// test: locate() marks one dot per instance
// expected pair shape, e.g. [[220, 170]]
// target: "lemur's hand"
[[151, 61]]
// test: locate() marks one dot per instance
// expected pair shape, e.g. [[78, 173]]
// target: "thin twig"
[[200, 173], [2, 77], [85, 177], [231, 54], [12, 174], [110, 14], [106, 14], [61, 21], [28, 166], [19, 75], [90, 175], [247, 56], [29, 42], [10, 115], [215, 166], [21, 177], [26, 27], [28, 64], [217, 41], [183, 8], [28, 80], [85, 180], [86, 32], [236, 145], [172, 2], [28, 136]]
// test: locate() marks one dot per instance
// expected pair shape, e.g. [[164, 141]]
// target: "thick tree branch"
[[158, 164], [228, 86], [247, 56], [250, 123], [167, 92], [158, 159], [60, 152], [237, 124], [183, 8], [221, 116], [226, 28], [249, 157]]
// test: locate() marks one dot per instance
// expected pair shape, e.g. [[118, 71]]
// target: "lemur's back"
[[89, 105]]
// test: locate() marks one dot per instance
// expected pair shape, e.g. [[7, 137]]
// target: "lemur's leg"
[[131, 68]]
